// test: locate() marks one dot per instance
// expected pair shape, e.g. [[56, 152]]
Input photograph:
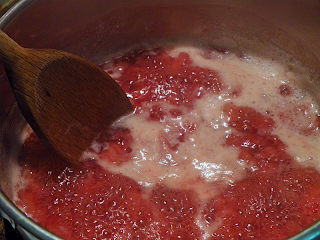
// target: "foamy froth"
[[202, 162]]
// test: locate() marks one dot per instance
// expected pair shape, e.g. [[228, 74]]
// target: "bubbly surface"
[[222, 145]]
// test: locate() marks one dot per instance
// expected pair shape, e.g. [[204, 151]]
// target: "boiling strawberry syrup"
[[276, 198]]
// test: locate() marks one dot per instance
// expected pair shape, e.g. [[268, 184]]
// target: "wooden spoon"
[[67, 100]]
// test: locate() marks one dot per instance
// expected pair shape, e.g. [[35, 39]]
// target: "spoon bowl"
[[67, 100]]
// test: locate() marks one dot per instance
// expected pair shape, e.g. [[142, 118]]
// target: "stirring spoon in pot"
[[67, 100]]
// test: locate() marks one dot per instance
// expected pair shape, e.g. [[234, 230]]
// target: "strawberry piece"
[[247, 120], [156, 113], [160, 77], [300, 118], [118, 146], [285, 90], [258, 147]]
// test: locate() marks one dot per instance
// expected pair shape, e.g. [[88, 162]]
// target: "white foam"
[[203, 155]]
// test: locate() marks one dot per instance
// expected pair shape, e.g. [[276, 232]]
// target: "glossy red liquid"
[[277, 198]]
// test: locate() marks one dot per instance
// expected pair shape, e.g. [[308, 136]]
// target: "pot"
[[94, 29]]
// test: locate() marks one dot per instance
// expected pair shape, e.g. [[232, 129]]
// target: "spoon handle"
[[20, 66], [10, 51]]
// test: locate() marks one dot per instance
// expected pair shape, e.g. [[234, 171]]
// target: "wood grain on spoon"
[[67, 100]]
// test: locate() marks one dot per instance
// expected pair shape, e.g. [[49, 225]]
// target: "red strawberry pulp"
[[275, 198]]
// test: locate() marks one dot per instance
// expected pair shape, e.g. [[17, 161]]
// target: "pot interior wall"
[[96, 29]]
